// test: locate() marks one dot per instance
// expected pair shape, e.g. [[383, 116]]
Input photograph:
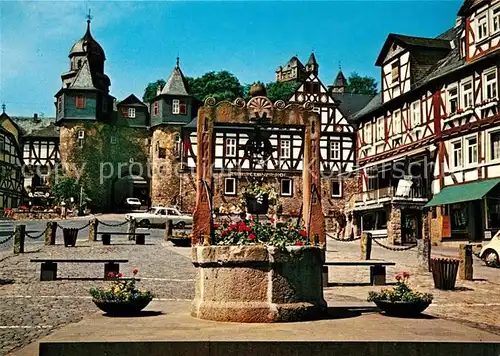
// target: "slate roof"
[[350, 104], [292, 63], [176, 83], [87, 44], [44, 127], [444, 66], [470, 5], [340, 80], [131, 100], [312, 59]]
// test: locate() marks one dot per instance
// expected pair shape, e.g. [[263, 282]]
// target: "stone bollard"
[[19, 239], [131, 227], [50, 233], [94, 225], [366, 246], [465, 271], [169, 229]]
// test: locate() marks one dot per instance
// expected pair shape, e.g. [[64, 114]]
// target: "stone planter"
[[258, 284]]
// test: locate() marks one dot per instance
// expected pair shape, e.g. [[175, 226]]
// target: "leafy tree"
[[65, 187], [221, 85], [281, 90], [357, 84], [150, 91]]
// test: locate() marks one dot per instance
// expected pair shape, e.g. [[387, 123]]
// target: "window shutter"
[[125, 112], [182, 109]]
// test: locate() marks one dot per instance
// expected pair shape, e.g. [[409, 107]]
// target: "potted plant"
[[401, 300], [123, 297], [258, 197], [258, 272]]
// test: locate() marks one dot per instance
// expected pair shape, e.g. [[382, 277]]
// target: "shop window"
[[458, 217], [493, 212]]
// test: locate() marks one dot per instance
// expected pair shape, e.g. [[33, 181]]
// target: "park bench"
[[140, 237], [377, 269], [48, 271]]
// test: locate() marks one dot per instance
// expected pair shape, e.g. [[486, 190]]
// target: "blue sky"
[[250, 39]]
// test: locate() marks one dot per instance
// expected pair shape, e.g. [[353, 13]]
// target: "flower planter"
[[181, 241], [254, 207], [402, 309], [258, 284], [122, 308], [69, 236]]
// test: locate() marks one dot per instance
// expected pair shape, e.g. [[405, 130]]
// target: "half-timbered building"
[[429, 139], [283, 168]]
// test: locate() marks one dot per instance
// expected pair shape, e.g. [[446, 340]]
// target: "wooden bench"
[[48, 271], [377, 270], [140, 237]]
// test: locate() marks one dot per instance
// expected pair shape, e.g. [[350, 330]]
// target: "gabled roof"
[[411, 41], [44, 127], [292, 63], [176, 83], [340, 80], [373, 104], [131, 100], [83, 78]]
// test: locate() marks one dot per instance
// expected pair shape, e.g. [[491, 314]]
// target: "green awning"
[[463, 192]]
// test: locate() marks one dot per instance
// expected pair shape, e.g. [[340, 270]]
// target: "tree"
[[150, 91], [221, 85], [357, 84], [281, 90]]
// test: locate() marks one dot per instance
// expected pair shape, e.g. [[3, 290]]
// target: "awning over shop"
[[463, 192]]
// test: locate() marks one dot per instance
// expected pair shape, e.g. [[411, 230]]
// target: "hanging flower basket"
[[255, 206]]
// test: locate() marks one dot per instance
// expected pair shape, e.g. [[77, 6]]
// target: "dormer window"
[[80, 102], [482, 28], [178, 107], [156, 108]]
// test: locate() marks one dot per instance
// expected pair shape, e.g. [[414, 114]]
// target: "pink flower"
[[251, 236], [299, 243], [135, 271], [119, 275]]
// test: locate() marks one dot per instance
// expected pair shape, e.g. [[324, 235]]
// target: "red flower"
[[303, 233], [271, 220], [111, 274], [119, 275], [398, 277], [251, 236], [216, 226], [233, 227], [406, 274], [242, 227], [135, 271], [299, 243]]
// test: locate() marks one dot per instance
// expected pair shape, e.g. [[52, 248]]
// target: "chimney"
[[35, 117], [158, 90]]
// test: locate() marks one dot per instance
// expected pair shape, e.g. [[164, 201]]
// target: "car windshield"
[[152, 210]]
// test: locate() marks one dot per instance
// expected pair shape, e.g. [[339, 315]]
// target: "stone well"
[[258, 284]]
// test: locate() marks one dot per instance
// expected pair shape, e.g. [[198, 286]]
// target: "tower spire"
[[177, 61], [3, 108], [89, 19]]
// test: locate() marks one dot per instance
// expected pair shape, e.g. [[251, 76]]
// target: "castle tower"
[[312, 65], [170, 110], [340, 83], [84, 94]]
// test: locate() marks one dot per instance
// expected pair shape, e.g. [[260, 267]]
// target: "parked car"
[[158, 216], [133, 203], [490, 252]]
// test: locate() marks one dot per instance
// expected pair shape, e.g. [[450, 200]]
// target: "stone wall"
[[165, 183], [394, 225], [105, 153]]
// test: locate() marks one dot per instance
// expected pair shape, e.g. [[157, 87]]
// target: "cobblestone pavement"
[[472, 302], [31, 309]]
